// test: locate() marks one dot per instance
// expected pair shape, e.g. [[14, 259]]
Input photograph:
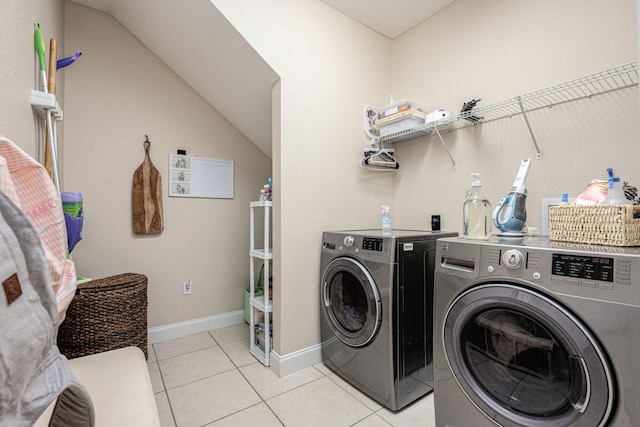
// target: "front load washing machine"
[[376, 291], [532, 332]]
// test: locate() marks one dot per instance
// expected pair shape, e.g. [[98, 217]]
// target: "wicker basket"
[[106, 314], [612, 225]]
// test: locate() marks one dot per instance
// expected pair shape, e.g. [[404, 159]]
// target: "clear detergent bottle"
[[477, 212]]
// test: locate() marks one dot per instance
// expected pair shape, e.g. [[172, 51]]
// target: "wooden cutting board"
[[147, 196]]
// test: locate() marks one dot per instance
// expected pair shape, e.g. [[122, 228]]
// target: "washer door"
[[524, 360], [351, 301]]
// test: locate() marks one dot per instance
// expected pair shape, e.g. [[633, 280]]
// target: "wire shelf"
[[620, 77]]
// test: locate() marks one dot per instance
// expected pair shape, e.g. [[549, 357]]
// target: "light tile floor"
[[211, 379]]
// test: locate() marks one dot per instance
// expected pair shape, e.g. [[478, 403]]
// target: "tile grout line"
[[166, 390], [295, 388], [237, 368], [164, 386], [256, 391]]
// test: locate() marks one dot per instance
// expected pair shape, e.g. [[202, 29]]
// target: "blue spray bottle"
[[615, 194]]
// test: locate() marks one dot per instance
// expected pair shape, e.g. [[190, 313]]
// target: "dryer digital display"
[[583, 267], [372, 244]]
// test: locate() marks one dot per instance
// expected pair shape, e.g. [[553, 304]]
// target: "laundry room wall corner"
[[330, 67]]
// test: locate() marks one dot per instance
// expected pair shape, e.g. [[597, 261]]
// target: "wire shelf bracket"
[[444, 144], [533, 137]]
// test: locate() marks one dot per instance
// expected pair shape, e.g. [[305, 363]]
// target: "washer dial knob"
[[348, 241], [512, 259]]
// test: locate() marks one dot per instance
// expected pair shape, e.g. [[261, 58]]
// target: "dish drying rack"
[[616, 78]]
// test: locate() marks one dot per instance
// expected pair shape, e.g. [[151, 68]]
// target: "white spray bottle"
[[615, 193], [386, 219]]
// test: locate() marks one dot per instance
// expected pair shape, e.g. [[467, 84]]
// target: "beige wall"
[[496, 50], [117, 93], [20, 71], [330, 68]]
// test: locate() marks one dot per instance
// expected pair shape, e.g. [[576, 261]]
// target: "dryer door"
[[524, 360], [351, 301]]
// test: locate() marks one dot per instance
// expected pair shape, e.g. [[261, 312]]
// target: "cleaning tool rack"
[[43, 103], [616, 78], [48, 109]]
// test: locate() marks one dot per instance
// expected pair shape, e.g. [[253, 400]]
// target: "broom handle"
[[51, 88]]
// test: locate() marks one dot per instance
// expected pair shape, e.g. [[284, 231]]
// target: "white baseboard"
[[190, 327], [292, 362], [280, 365]]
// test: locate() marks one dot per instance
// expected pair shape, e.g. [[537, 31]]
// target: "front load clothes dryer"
[[536, 333], [376, 291]]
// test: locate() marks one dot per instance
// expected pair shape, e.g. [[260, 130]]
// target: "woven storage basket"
[[106, 314], [612, 225]]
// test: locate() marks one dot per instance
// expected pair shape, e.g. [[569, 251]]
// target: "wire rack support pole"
[[533, 137]]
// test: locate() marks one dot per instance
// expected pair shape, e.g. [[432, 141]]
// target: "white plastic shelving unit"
[[260, 304], [616, 78]]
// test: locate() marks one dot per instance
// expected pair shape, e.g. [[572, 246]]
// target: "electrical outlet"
[[435, 222], [187, 287]]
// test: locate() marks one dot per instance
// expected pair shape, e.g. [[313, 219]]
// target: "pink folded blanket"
[[28, 185]]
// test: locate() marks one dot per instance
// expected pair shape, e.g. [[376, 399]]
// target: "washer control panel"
[[569, 272], [589, 271], [583, 267]]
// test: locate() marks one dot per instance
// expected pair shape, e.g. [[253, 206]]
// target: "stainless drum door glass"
[[524, 360], [519, 360], [351, 301]]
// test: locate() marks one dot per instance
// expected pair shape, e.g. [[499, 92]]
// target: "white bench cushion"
[[120, 387]]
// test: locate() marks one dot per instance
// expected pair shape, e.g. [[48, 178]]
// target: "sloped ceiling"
[[197, 42]]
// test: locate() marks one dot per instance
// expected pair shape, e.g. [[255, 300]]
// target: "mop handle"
[[38, 42]]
